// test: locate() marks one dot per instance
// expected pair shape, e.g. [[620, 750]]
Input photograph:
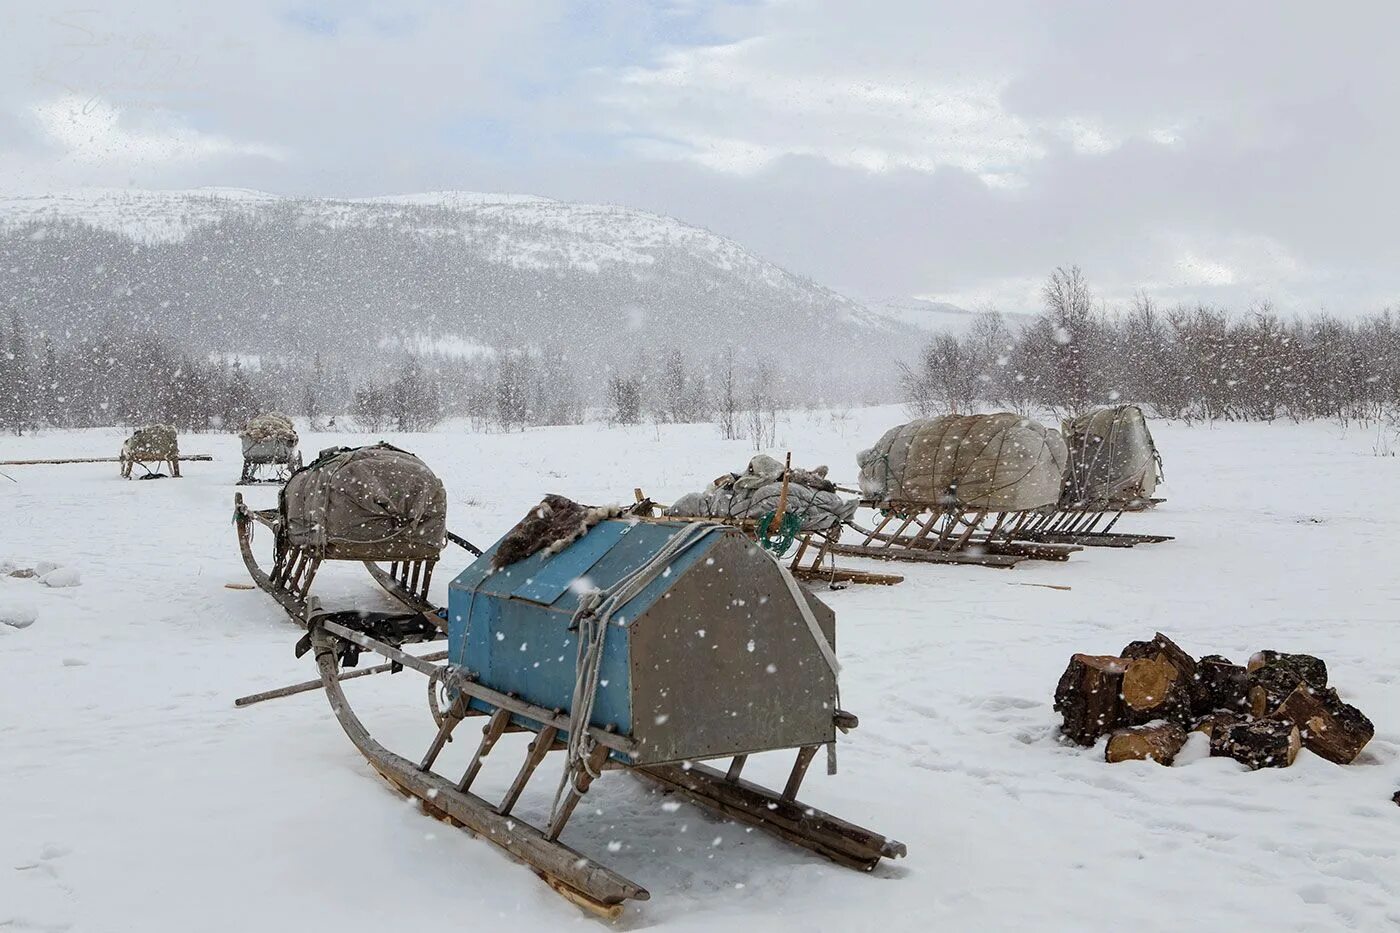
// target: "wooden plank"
[[928, 557], [842, 842]]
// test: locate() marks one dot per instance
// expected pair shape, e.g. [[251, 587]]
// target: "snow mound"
[[61, 577]]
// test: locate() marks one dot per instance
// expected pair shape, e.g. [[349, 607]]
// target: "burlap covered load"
[[268, 438], [757, 491], [152, 442], [365, 503], [1112, 459], [997, 463]]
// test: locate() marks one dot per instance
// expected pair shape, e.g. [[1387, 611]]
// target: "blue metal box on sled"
[[710, 659]]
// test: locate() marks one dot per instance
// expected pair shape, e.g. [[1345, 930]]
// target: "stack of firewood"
[[1148, 696]]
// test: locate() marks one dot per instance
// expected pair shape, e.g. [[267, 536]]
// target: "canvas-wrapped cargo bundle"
[[268, 438], [995, 463], [366, 503], [151, 443], [1112, 459], [756, 492]]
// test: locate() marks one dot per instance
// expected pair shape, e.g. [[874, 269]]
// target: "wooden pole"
[[205, 457], [782, 498], [308, 685]]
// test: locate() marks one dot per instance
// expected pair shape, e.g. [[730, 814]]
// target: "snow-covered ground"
[[133, 796]]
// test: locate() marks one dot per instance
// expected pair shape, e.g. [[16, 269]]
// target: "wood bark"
[[1335, 730], [1157, 742], [1218, 721], [1088, 696], [1311, 670], [1273, 676], [1262, 743], [1222, 685]]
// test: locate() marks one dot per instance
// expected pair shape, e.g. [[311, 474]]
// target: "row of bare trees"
[[1193, 362], [124, 376]]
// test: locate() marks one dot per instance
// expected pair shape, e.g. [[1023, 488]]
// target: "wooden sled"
[[294, 569], [950, 535], [1080, 524], [816, 546], [269, 461], [573, 874]]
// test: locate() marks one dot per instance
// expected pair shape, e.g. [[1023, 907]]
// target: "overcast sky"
[[1228, 152]]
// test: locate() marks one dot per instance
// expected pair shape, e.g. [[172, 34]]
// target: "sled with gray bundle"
[[619, 641], [376, 505], [1113, 468], [270, 453], [153, 445], [787, 511], [960, 489]]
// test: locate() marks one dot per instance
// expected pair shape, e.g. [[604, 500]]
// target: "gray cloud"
[[1226, 152]]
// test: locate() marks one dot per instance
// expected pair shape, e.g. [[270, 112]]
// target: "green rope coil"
[[779, 541]]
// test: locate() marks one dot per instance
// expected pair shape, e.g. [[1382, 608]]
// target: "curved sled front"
[[574, 875]]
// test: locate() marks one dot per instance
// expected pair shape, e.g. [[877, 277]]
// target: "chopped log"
[[1262, 743], [1088, 696], [1154, 688], [1218, 721], [1223, 685], [1157, 742], [1272, 676], [1329, 727], [1162, 646], [1312, 671]]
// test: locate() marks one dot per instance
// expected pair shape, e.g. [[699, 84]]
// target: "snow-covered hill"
[[236, 270]]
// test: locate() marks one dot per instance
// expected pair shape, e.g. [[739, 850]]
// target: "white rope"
[[592, 618]]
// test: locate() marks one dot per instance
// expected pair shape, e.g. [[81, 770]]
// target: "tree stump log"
[[1262, 743], [1088, 696], [1329, 727], [1218, 721], [1157, 742], [1162, 646], [1155, 688], [1311, 670], [1223, 685]]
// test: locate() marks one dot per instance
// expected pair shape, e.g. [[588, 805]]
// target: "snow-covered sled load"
[[375, 504], [811, 499], [957, 489], [627, 643], [153, 444], [782, 506], [269, 448], [1113, 468], [1113, 462]]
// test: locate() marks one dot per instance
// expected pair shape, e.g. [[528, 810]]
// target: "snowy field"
[[134, 796]]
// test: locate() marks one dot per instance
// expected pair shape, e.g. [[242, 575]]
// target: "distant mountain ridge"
[[231, 270]]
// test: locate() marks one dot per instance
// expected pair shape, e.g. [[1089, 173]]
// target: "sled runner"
[[959, 489], [373, 505], [1113, 468], [270, 453], [629, 644]]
